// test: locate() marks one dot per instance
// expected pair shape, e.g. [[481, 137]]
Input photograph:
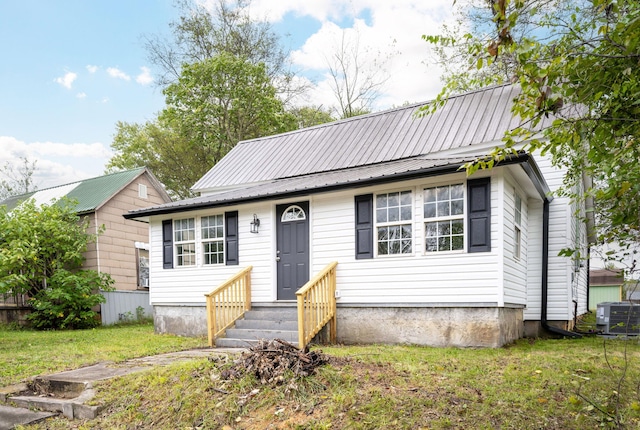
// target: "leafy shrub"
[[68, 300]]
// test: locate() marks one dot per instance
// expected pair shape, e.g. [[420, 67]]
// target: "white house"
[[426, 255]]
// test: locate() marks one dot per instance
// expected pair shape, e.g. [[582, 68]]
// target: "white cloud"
[[92, 69], [386, 29], [118, 74], [81, 95], [104, 100], [56, 163], [145, 77], [66, 80]]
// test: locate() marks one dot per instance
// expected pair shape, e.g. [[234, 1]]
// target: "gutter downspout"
[[545, 276]]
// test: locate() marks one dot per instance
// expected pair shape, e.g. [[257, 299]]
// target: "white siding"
[[187, 285], [534, 260], [564, 285], [434, 278], [515, 270]]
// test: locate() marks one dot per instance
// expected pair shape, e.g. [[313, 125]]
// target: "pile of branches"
[[272, 361]]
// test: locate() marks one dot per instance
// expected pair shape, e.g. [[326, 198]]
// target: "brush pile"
[[273, 361]]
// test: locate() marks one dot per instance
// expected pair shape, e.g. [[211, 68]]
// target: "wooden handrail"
[[317, 306], [227, 303]]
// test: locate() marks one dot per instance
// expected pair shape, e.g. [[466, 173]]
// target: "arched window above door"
[[293, 213]]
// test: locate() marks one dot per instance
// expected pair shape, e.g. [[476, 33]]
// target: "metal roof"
[[467, 119], [354, 177], [91, 193]]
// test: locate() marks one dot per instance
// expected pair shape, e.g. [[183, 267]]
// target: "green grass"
[[550, 384], [27, 353]]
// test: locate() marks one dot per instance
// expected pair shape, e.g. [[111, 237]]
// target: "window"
[[142, 191], [517, 247], [143, 267], [184, 231], [393, 223], [444, 218], [212, 239], [293, 213]]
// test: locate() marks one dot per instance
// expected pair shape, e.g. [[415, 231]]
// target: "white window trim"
[[517, 227], [411, 222], [204, 241], [293, 209], [176, 243], [462, 216]]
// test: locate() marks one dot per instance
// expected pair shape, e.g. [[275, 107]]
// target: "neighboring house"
[[605, 285], [122, 250], [426, 255]]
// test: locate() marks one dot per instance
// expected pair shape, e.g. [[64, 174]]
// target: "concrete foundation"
[[534, 329], [190, 321], [459, 327]]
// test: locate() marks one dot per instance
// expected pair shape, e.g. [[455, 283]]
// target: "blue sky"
[[72, 68]]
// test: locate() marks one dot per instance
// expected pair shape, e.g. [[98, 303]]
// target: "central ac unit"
[[618, 318]]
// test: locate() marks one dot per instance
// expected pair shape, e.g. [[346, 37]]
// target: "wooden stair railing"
[[227, 303], [317, 306]]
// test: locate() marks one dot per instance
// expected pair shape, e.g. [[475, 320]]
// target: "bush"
[[68, 300]]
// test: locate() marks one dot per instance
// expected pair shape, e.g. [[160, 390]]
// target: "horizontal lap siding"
[[515, 270], [190, 284], [441, 278], [418, 278], [560, 237], [534, 261]]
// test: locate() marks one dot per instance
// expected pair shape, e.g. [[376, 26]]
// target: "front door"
[[292, 253]]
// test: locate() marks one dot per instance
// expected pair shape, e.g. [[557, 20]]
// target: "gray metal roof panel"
[[467, 119]]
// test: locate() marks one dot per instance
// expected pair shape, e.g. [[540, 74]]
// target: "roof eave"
[[421, 173]]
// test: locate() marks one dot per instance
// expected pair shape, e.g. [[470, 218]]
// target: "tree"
[[308, 116], [41, 255], [357, 75], [162, 149], [215, 104], [581, 68], [454, 49], [200, 34], [17, 180]]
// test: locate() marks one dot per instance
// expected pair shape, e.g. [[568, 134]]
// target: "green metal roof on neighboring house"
[[93, 193], [90, 193]]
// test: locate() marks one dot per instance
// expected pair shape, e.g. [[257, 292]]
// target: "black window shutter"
[[479, 215], [167, 244], [231, 238], [364, 226]]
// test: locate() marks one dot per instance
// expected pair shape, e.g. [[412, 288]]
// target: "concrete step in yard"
[[262, 323], [51, 394]]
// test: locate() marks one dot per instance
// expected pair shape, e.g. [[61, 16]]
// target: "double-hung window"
[[444, 218], [394, 216], [184, 231], [517, 247], [212, 234], [216, 241]]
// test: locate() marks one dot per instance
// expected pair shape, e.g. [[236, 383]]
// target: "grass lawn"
[[533, 384], [26, 353]]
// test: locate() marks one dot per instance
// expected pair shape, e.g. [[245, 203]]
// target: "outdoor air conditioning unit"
[[618, 318]]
